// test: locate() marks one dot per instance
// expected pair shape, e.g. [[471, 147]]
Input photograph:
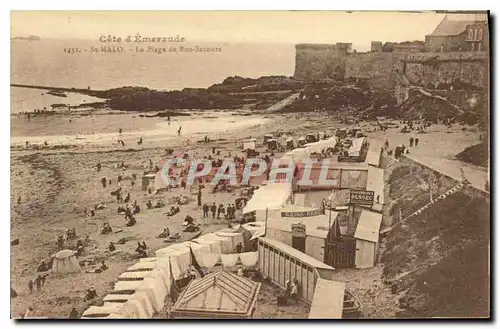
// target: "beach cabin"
[[334, 176], [267, 137], [147, 181], [272, 144], [367, 237], [280, 263], [357, 152], [249, 144], [303, 228]]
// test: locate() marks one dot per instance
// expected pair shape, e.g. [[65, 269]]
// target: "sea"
[[55, 62]]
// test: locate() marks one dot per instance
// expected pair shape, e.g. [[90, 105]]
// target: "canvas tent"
[[234, 237], [224, 242], [65, 262], [271, 196], [357, 145], [218, 295], [137, 307], [328, 300], [154, 287], [98, 312]]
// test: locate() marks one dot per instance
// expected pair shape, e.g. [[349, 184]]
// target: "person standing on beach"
[[98, 167], [120, 130], [30, 286], [220, 211], [199, 197], [213, 209], [38, 283], [416, 141], [179, 131], [205, 210]]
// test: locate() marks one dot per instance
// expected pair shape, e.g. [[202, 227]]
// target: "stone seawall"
[[388, 70]]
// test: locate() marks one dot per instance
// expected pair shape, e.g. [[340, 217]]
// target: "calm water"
[[45, 63]]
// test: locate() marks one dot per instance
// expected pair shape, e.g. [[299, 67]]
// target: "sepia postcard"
[[250, 165]]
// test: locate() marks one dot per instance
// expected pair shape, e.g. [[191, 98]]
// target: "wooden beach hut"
[[280, 262], [366, 235]]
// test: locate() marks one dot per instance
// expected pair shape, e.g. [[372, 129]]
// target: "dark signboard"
[[361, 197], [296, 214], [298, 230]]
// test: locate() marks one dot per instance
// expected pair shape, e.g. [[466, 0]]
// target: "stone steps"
[[443, 196]]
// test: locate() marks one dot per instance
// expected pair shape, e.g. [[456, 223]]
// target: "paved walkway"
[[281, 104], [437, 149]]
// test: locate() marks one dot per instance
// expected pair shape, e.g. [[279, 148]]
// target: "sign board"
[[361, 197], [298, 230], [297, 214]]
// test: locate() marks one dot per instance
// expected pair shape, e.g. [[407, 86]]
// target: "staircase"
[[391, 162], [443, 196]]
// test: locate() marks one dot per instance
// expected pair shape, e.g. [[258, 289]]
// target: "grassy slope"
[[440, 258]]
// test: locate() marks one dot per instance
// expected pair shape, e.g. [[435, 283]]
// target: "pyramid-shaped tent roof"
[[219, 294]]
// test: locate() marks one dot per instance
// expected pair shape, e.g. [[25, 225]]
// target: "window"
[[471, 34], [475, 34], [479, 46], [480, 36]]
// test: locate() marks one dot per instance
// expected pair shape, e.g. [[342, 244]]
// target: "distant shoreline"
[[231, 94]]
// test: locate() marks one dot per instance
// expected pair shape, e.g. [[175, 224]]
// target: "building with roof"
[[217, 295], [367, 235], [280, 263], [459, 33], [304, 228]]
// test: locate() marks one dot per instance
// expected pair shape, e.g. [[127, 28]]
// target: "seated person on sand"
[[188, 220], [100, 206], [191, 228], [131, 221], [111, 247], [164, 234], [149, 204], [175, 236], [183, 200], [140, 251], [160, 204], [79, 248], [137, 209], [103, 267], [106, 229], [173, 210], [91, 294], [121, 210], [42, 267]]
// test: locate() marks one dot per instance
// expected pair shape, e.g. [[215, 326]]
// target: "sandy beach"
[[56, 185]]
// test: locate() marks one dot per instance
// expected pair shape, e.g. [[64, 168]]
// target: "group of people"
[[39, 282], [228, 213]]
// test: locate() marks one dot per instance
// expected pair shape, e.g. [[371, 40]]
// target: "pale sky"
[[359, 28]]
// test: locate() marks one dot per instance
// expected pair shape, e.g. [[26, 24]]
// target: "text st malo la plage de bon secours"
[[144, 44]]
